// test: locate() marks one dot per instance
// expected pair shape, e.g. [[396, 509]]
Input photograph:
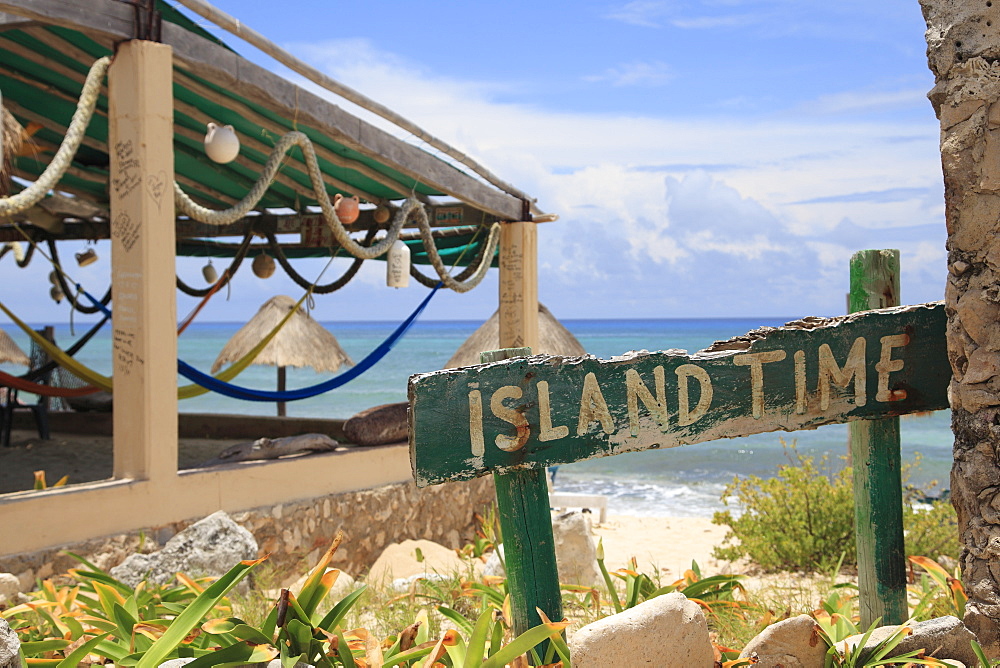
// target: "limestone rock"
[[10, 587], [176, 663], [401, 560], [791, 643], [576, 553], [208, 547], [494, 564], [942, 638], [668, 631], [9, 646]]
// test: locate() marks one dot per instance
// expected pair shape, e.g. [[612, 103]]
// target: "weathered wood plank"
[[529, 545], [540, 411], [875, 460]]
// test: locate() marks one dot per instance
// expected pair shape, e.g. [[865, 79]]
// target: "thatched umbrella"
[[300, 342], [11, 352], [553, 339]]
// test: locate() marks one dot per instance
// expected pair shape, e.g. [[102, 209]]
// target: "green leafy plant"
[[835, 630], [939, 592], [802, 519], [104, 619]]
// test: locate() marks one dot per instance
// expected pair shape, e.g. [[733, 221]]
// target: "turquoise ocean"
[[683, 481]]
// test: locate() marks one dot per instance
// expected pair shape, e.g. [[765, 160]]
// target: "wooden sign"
[[542, 410]]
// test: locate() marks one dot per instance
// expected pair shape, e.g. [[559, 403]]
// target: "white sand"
[[662, 544]]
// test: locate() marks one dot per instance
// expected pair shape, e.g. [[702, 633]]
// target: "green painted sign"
[[539, 411]]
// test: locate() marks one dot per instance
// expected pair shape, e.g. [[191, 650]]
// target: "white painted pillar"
[[140, 91]]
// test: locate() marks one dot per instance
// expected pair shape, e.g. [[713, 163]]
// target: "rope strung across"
[[249, 394], [411, 208], [227, 275]]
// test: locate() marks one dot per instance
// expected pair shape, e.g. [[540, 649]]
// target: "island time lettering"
[[685, 397]]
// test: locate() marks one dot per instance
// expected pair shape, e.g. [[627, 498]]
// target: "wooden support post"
[[875, 456], [529, 547], [140, 119], [523, 496], [519, 285]]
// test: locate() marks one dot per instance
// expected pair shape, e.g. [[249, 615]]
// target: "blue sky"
[[706, 157]]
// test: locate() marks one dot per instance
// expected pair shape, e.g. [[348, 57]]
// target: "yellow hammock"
[[90, 376]]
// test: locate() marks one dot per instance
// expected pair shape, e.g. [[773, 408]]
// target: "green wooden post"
[[529, 548], [878, 493]]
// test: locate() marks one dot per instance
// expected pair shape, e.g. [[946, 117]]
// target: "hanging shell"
[[263, 266], [209, 272]]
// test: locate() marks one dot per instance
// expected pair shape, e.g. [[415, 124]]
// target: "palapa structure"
[[10, 352], [301, 342], [553, 339], [130, 88]]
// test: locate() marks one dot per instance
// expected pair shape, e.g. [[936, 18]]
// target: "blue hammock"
[[249, 394]]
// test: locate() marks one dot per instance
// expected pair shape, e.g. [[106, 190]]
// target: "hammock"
[[248, 394], [92, 377], [25, 383]]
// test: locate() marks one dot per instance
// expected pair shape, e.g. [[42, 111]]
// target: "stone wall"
[[963, 51], [296, 534]]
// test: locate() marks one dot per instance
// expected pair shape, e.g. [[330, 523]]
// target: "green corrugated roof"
[[42, 69]]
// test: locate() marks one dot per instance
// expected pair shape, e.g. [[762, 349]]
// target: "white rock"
[[668, 631], [10, 587], [414, 557], [176, 663], [494, 564], [576, 553], [9, 646], [208, 547], [941, 638], [790, 643]]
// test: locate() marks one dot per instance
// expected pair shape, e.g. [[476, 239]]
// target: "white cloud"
[[762, 231], [646, 74], [645, 13]]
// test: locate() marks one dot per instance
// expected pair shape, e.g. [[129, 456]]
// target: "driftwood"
[[273, 448], [378, 426]]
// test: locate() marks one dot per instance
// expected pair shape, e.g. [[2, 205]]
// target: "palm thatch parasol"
[[13, 137], [301, 342], [11, 352], [553, 339]]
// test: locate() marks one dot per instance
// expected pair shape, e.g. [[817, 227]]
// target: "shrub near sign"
[[539, 411]]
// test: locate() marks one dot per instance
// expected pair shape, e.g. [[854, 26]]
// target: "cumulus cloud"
[[645, 13], [647, 74], [710, 216]]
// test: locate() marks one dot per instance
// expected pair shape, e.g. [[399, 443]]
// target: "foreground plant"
[[102, 620]]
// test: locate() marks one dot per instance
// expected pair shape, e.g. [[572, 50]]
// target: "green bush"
[[803, 519]]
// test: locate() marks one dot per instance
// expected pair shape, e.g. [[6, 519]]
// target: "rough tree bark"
[[963, 51]]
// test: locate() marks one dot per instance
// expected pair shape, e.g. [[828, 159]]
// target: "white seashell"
[[209, 272], [221, 143]]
